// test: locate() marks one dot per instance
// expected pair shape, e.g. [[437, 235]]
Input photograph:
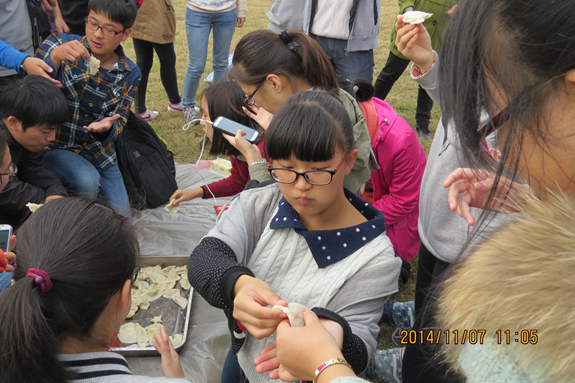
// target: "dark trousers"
[[145, 60], [393, 69], [419, 363]]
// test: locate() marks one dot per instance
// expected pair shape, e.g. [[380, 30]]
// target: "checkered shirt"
[[92, 98]]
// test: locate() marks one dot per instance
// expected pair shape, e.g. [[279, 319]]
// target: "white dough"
[[133, 333], [176, 339], [415, 17], [157, 319], [294, 312], [94, 65], [184, 283], [180, 301], [33, 206], [170, 208]]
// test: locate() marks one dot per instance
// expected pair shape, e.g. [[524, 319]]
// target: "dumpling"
[[415, 17], [94, 65], [170, 208], [294, 312], [180, 301], [33, 206]]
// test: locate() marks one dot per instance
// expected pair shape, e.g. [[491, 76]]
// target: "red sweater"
[[235, 182]]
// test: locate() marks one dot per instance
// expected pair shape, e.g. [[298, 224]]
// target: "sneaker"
[[424, 132], [399, 314], [386, 365], [191, 117], [149, 114], [179, 107]]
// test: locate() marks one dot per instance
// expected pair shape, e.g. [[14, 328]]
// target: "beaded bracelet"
[[328, 363]]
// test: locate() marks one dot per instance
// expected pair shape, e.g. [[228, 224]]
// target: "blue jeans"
[[82, 176], [353, 65], [5, 281], [198, 26]]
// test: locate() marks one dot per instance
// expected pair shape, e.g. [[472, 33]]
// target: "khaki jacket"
[[156, 22]]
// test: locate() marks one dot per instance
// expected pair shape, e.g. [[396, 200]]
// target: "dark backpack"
[[146, 165]]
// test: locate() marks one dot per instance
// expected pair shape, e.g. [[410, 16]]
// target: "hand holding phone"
[[229, 127], [5, 235]]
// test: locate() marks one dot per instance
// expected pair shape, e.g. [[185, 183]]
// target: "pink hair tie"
[[40, 278]]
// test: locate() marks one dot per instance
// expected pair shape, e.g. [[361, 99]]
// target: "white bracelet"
[[262, 161]]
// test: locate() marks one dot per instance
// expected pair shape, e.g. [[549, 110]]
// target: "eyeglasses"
[[135, 275], [313, 177], [496, 122], [249, 100], [12, 171], [106, 31]]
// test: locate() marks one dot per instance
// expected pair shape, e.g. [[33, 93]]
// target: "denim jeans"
[[82, 176], [353, 65], [5, 281], [198, 26]]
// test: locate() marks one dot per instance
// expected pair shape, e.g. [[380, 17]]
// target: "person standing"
[[150, 33], [396, 62], [201, 16]]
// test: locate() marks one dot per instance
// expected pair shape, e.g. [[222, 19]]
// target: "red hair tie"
[[40, 278]]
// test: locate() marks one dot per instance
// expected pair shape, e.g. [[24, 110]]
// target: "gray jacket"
[[16, 30], [364, 20], [443, 232]]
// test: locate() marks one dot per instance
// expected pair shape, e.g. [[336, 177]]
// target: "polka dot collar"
[[331, 246]]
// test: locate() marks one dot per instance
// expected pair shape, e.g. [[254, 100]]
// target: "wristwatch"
[[22, 68]]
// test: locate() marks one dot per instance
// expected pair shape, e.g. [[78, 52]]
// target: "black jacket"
[[33, 183]]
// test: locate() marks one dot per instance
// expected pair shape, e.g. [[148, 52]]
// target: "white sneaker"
[[179, 107], [149, 114]]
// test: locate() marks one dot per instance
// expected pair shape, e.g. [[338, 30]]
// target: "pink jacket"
[[396, 184]]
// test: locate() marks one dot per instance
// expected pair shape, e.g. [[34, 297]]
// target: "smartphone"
[[227, 126], [5, 235]]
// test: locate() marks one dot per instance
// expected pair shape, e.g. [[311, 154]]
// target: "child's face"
[[34, 138], [313, 200], [101, 44], [206, 126]]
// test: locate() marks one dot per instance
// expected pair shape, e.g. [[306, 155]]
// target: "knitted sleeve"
[[213, 271], [354, 349]]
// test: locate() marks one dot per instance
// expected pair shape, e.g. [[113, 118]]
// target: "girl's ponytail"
[[27, 343], [293, 53], [88, 251]]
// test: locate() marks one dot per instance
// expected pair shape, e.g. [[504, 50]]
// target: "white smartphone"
[[227, 126], [5, 235]]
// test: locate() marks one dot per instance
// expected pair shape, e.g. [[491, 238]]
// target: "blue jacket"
[[10, 57]]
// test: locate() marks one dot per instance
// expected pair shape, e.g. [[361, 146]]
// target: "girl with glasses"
[[304, 239], [270, 68], [77, 260]]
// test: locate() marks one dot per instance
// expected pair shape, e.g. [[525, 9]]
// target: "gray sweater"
[[443, 232]]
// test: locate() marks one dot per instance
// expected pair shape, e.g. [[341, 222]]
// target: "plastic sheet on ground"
[[163, 234]]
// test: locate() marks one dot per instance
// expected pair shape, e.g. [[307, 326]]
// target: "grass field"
[[186, 144]]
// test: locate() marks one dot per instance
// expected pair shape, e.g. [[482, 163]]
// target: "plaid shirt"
[[92, 98]]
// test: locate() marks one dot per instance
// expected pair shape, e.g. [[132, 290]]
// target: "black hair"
[[505, 54], [360, 89], [262, 52], [34, 101], [89, 252], [4, 139], [119, 11], [309, 126], [226, 98]]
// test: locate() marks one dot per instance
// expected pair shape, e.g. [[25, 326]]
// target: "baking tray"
[[174, 318]]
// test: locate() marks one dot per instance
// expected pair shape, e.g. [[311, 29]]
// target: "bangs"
[[306, 131]]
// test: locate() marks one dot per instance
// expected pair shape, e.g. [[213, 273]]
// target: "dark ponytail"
[[262, 52], [88, 251]]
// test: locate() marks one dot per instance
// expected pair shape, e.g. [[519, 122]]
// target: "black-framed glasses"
[[134, 277], [12, 171], [495, 123], [249, 100], [313, 177], [106, 31]]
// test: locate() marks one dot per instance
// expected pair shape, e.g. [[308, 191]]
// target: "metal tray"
[[174, 318]]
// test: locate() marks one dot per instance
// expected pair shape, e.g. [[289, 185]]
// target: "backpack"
[[146, 164]]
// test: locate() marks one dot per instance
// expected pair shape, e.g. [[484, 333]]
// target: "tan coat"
[[156, 22]]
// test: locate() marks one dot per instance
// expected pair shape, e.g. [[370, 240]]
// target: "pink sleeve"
[[408, 165], [231, 185]]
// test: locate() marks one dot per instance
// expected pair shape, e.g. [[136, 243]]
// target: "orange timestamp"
[[466, 336]]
